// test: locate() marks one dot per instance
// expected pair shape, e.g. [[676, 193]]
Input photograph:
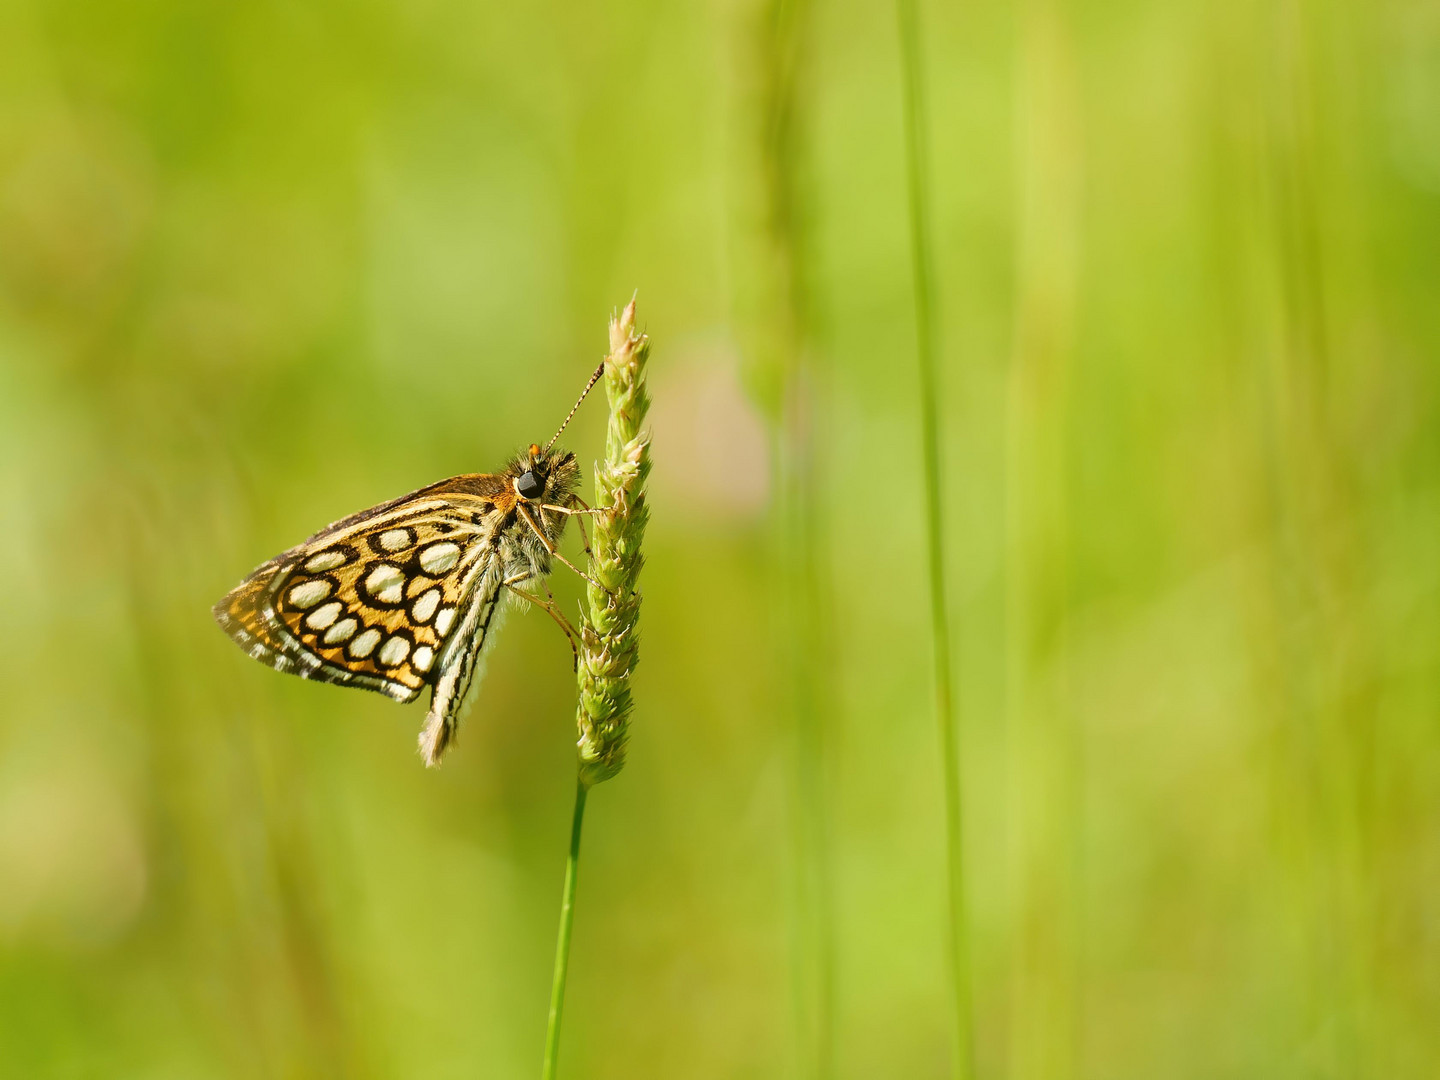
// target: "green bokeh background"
[[265, 264]]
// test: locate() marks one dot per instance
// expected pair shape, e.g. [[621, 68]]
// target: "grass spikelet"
[[609, 647]]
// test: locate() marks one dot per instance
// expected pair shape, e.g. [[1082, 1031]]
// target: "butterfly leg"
[[580, 518], [584, 536], [550, 548], [578, 515], [553, 610]]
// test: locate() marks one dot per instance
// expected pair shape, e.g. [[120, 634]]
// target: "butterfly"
[[407, 594]]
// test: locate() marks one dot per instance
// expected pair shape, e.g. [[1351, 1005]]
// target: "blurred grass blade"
[[789, 384], [925, 348]]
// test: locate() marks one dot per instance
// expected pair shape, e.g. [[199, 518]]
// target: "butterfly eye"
[[529, 485]]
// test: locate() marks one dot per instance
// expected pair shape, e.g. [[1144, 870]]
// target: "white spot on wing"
[[395, 539], [326, 560], [365, 644], [443, 621], [386, 583], [393, 651], [423, 657], [340, 631], [324, 615], [425, 606], [309, 593], [438, 558]]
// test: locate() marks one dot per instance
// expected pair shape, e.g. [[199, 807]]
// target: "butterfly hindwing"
[[374, 600]]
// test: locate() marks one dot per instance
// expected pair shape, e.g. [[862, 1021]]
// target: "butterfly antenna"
[[593, 380]]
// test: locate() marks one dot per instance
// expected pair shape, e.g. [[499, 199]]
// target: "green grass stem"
[[562, 941]]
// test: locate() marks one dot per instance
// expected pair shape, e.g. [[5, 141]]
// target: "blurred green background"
[[265, 264]]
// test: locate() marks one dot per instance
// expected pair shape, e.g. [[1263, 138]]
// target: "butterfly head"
[[544, 476], [550, 475]]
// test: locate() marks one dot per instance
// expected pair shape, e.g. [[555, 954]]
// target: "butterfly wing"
[[384, 599]]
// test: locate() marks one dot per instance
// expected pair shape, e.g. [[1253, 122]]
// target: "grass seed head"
[[609, 646]]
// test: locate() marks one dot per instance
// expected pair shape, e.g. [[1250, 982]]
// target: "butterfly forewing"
[[373, 600]]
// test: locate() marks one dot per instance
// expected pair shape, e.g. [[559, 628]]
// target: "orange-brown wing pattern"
[[373, 600]]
